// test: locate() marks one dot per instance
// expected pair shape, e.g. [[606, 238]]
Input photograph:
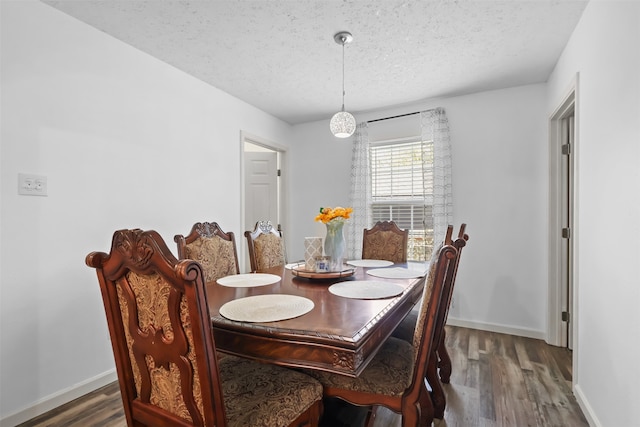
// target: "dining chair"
[[440, 366], [385, 241], [395, 376], [214, 249], [444, 361], [165, 353], [266, 246]]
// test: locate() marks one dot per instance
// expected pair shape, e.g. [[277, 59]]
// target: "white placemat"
[[396, 273], [266, 308], [365, 289], [370, 263], [248, 280], [294, 265]]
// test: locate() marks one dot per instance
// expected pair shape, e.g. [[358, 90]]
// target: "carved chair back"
[[442, 360], [440, 267], [214, 249], [459, 244], [266, 246], [386, 241], [160, 330]]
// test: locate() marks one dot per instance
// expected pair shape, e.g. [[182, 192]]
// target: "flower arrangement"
[[334, 215]]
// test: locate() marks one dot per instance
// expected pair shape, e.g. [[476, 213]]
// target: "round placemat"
[[266, 308], [294, 265], [366, 289], [248, 280], [395, 273], [370, 263]]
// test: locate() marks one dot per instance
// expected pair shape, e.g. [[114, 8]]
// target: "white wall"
[[125, 141], [320, 176], [604, 50], [499, 143]]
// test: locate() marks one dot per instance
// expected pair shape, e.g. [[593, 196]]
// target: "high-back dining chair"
[[395, 376], [444, 361], [266, 246], [440, 362], [165, 353], [214, 249], [386, 241], [407, 326]]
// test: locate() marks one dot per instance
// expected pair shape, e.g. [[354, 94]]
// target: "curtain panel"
[[435, 127], [436, 191], [360, 191]]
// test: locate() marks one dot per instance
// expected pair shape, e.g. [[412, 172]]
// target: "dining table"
[[337, 334]]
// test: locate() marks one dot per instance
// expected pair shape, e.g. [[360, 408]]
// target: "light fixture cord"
[[344, 39]]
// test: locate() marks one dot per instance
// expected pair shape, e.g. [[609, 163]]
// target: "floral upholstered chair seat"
[[388, 374], [245, 384]]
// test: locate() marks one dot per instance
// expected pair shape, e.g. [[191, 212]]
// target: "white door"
[[260, 190]]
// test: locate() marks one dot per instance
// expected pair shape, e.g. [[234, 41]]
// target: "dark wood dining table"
[[339, 334]]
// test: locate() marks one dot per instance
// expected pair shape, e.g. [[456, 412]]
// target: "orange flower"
[[337, 214]]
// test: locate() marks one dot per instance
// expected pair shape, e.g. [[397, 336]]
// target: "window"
[[402, 190]]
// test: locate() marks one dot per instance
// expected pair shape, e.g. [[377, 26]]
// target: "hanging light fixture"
[[343, 124]]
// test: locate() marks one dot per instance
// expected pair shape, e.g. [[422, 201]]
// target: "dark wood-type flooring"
[[498, 380]]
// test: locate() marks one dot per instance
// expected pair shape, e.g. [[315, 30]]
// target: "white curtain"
[[360, 192], [435, 127], [436, 181]]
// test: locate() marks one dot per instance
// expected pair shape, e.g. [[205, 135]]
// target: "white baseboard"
[[493, 327], [59, 398], [587, 410]]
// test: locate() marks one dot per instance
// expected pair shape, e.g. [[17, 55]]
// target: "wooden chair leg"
[[444, 362], [371, 416], [437, 393], [426, 408]]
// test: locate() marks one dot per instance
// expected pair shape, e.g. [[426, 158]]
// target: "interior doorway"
[[562, 230], [567, 124], [262, 186]]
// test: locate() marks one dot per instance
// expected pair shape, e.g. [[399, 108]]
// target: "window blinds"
[[402, 190]]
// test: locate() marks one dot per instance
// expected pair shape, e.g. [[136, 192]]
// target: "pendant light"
[[343, 124]]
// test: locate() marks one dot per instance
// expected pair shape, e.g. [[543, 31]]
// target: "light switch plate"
[[32, 185]]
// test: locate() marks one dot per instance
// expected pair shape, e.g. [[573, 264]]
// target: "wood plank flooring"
[[498, 380]]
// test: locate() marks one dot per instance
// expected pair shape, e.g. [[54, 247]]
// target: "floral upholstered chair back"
[[385, 241], [214, 249], [160, 332], [266, 246]]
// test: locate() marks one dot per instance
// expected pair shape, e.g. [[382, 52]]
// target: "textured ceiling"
[[280, 56]]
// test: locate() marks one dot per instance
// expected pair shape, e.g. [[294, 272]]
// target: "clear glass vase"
[[334, 244]]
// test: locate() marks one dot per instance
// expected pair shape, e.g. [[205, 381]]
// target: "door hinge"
[[566, 149], [565, 316], [279, 173], [566, 233]]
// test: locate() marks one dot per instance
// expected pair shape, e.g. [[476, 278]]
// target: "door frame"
[[283, 185], [556, 290]]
